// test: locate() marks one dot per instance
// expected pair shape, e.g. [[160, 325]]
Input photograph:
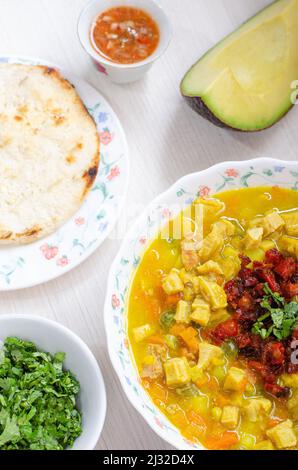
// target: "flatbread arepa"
[[49, 152]]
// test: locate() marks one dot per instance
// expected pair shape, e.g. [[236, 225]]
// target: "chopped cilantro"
[[167, 319], [280, 318], [37, 399]]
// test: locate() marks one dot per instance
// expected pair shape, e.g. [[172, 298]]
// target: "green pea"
[[230, 349]]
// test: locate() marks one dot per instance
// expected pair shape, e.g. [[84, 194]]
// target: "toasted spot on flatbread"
[[5, 141], [5, 235], [58, 120], [89, 177], [23, 109], [70, 159], [29, 233], [49, 152]]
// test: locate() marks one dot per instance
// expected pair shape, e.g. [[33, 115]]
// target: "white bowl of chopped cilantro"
[[52, 394]]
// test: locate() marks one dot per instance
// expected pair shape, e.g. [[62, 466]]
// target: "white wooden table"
[[166, 139]]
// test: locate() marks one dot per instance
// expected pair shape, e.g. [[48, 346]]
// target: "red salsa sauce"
[[125, 35]]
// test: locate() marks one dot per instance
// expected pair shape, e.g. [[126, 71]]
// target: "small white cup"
[[123, 73]]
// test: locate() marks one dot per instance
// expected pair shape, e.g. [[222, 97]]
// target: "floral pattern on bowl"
[[224, 176], [74, 241]]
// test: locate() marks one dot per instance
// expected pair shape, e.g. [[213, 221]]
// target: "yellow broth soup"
[[211, 317]]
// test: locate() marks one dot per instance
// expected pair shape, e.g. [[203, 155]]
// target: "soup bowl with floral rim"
[[221, 177]]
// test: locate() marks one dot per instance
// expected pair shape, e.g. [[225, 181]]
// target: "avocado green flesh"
[[245, 81]]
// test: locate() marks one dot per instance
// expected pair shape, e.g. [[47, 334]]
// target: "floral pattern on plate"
[[225, 176], [46, 259]]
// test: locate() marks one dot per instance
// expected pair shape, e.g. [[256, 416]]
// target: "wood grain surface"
[[166, 140]]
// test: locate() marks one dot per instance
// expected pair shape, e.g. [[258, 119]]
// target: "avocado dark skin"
[[197, 104]]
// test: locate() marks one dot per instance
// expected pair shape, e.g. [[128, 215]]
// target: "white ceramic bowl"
[[52, 337], [122, 73], [224, 176]]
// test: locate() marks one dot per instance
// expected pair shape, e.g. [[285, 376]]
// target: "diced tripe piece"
[[289, 244], [189, 278], [215, 240], [230, 264], [177, 371], [255, 406], [172, 283], [211, 206], [152, 368], [211, 244], [201, 317], [291, 221], [189, 254], [209, 267], [200, 311], [283, 435], [199, 301], [224, 227], [230, 416], [213, 293], [182, 312], [188, 292], [219, 316], [253, 238], [142, 332], [230, 267], [290, 380], [264, 445], [267, 245], [207, 354], [235, 380], [272, 222], [186, 276], [230, 252]]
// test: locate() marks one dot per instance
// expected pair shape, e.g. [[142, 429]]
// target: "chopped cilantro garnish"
[[280, 317], [37, 399], [167, 319]]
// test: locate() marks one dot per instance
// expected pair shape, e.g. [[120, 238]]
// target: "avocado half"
[[246, 82]]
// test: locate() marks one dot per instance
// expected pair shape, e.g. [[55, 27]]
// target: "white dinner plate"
[[46, 259]]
